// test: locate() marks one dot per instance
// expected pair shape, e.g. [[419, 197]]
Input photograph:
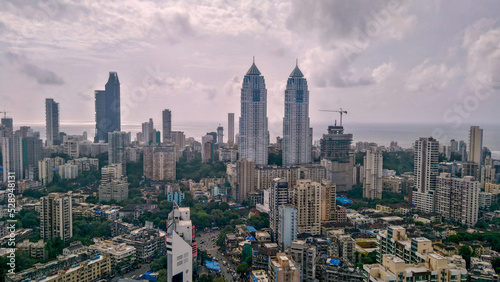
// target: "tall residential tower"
[[254, 135], [297, 135]]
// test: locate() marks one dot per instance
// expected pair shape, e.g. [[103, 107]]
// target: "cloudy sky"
[[383, 61]]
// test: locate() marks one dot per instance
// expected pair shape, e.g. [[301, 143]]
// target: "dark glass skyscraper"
[[52, 122], [107, 109]]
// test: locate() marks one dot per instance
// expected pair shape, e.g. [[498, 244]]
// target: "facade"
[[304, 255], [287, 226], [372, 178], [328, 202], [394, 241], [52, 122], [114, 190], [180, 245], [279, 195], [148, 132], [118, 140], [307, 200], [426, 162], [46, 168], [207, 143], [343, 246], [68, 171], [254, 135], [148, 243], [56, 219], [160, 162], [434, 268], [284, 269], [245, 179], [87, 271], [297, 133], [12, 156], [457, 199], [107, 109], [167, 126], [230, 128], [475, 145], [266, 174]]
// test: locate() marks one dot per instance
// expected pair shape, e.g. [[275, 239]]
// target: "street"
[[206, 243]]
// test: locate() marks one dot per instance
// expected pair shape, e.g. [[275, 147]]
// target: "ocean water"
[[380, 133]]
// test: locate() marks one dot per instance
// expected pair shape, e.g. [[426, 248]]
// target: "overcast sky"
[[383, 61]]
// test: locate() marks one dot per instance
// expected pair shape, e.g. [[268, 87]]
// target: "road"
[[210, 246]]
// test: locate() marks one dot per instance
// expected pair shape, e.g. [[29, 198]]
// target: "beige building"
[[115, 190], [119, 252], [372, 177], [56, 219], [245, 179], [283, 269], [160, 162], [307, 200], [328, 202], [434, 268], [394, 241], [265, 174], [86, 271]]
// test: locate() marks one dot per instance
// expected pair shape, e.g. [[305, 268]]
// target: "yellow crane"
[[340, 112]]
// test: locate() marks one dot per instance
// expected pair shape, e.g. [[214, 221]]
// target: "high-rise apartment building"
[[107, 109], [148, 132], [245, 179], [307, 200], [12, 156], [118, 141], [475, 144], [56, 219], [297, 133], [282, 268], [52, 122], [304, 255], [328, 202], [230, 128], [160, 162], [457, 199], [426, 162], [167, 126], [286, 226], [113, 190], [207, 143], [372, 178], [181, 247], [279, 195], [32, 148], [254, 135]]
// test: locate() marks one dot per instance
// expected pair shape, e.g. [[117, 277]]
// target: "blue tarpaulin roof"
[[251, 229], [251, 238], [332, 262], [344, 200], [212, 265]]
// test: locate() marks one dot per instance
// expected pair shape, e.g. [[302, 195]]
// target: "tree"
[[54, 247], [242, 269], [482, 224], [162, 276], [159, 264], [466, 253]]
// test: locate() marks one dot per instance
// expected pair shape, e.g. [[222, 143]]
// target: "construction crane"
[[340, 112]]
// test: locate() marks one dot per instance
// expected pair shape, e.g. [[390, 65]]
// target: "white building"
[[425, 171], [372, 178], [68, 171], [297, 133], [287, 226], [254, 135], [457, 199], [180, 247]]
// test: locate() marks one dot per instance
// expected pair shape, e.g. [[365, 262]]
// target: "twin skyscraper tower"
[[254, 134]]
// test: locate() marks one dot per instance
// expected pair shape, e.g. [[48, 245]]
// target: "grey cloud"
[[42, 76]]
